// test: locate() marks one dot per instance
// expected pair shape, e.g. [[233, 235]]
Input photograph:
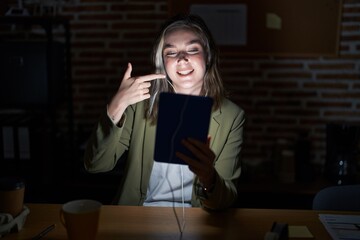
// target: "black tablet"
[[180, 116]]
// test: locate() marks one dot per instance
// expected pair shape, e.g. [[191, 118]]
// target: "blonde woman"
[[186, 62]]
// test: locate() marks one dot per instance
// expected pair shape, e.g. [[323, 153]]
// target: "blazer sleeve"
[[227, 163], [108, 142]]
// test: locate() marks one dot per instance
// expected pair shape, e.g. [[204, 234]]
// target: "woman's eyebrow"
[[194, 42], [169, 45]]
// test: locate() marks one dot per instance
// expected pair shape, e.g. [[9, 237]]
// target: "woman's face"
[[184, 60]]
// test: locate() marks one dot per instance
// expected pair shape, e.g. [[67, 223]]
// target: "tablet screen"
[[180, 117]]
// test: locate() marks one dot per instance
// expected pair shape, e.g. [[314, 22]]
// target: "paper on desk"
[[299, 232], [341, 226]]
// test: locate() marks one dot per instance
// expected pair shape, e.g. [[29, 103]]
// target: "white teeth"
[[185, 72]]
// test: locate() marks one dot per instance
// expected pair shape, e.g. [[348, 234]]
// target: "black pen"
[[44, 232]]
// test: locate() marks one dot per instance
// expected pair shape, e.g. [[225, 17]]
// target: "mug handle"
[[62, 219]]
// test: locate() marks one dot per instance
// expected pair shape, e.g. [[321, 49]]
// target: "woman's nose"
[[182, 56]]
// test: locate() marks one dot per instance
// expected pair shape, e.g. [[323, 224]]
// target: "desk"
[[128, 222]]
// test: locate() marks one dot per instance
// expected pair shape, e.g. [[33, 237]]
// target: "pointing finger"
[[151, 77]]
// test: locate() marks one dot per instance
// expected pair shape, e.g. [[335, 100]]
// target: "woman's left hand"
[[202, 164]]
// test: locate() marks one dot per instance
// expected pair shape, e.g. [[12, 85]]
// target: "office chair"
[[338, 198]]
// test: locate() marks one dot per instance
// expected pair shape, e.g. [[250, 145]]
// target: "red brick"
[[349, 76], [281, 65], [332, 66], [322, 86], [290, 75], [328, 104]]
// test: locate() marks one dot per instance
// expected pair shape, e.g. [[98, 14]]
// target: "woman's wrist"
[[209, 184], [115, 114]]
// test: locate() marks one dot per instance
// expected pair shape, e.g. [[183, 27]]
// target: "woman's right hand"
[[131, 90]]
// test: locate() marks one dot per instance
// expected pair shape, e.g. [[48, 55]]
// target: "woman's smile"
[[185, 72]]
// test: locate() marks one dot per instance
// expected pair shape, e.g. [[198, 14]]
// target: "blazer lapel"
[[214, 125]]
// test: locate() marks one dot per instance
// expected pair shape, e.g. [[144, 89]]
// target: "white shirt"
[[170, 185]]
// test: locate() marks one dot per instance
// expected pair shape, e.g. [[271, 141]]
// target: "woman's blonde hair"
[[212, 86]]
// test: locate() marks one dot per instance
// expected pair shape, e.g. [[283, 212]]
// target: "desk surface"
[[124, 222]]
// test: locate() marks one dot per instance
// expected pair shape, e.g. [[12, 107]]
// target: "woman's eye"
[[170, 54], [193, 51]]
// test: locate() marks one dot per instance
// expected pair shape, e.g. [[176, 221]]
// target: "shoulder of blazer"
[[228, 109]]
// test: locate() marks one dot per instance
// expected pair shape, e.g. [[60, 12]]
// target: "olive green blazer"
[[136, 135]]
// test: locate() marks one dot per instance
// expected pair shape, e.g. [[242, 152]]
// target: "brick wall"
[[282, 96]]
